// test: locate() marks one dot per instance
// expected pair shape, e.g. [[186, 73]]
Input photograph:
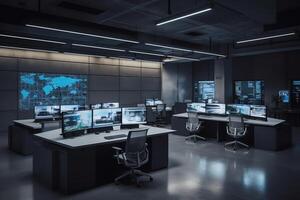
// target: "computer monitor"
[[134, 115], [150, 102], [249, 92], [46, 112], [258, 111], [196, 107], [111, 105], [69, 108], [284, 96], [238, 109], [106, 117], [216, 108], [158, 101], [204, 90], [76, 121], [96, 106]]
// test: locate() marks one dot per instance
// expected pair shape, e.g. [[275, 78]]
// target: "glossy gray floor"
[[197, 171]]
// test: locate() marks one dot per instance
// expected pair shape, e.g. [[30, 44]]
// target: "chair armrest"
[[117, 148], [119, 152]]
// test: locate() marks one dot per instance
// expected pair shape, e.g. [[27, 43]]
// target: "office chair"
[[150, 115], [193, 126], [236, 129], [135, 155], [161, 114]]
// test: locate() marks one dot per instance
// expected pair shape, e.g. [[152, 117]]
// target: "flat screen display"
[[69, 108], [196, 107], [46, 112], [284, 96], [77, 121], [110, 105], [216, 108], [258, 111], [204, 90], [51, 89], [96, 106], [150, 102], [158, 102], [106, 117], [238, 109], [249, 92], [134, 115], [295, 95]]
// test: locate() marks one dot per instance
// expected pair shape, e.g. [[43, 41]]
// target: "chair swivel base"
[[135, 174], [195, 138], [236, 144]]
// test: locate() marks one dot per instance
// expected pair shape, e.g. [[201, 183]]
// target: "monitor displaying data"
[[46, 112], [111, 105], [295, 93], [106, 117], [284, 96], [158, 102], [196, 107], [258, 111], [51, 89], [150, 102], [96, 106], [77, 121], [204, 90], [238, 109], [216, 108], [134, 115], [249, 92], [69, 108]]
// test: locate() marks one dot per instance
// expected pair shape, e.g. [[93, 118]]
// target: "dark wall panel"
[[112, 70], [8, 80], [103, 96], [151, 83], [130, 71], [150, 95], [103, 82], [148, 72], [130, 83], [8, 100], [8, 63], [130, 98], [6, 119]]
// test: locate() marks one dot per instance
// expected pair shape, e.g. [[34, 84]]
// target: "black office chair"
[[236, 128], [193, 126], [161, 115], [135, 155], [151, 115]]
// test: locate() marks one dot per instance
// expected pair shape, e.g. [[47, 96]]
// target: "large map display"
[[51, 89]]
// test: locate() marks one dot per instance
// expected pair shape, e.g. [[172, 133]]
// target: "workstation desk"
[[273, 134], [21, 131], [83, 162]]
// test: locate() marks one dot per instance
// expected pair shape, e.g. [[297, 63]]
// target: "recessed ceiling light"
[[80, 33], [266, 38], [183, 16], [33, 39], [27, 49], [97, 47]]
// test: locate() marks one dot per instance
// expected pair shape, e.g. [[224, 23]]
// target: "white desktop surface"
[[29, 123], [94, 139], [269, 122]]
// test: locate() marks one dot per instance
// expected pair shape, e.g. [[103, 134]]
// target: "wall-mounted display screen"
[[51, 89], [295, 95], [134, 115], [258, 111], [46, 112], [249, 92], [204, 90], [216, 108], [238, 109], [284, 96], [77, 121], [106, 117], [196, 107], [111, 105], [69, 108]]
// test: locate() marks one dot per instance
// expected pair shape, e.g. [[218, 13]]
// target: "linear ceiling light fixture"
[[97, 47], [146, 53], [173, 19], [266, 38], [183, 58], [33, 39], [186, 50], [27, 49], [80, 33]]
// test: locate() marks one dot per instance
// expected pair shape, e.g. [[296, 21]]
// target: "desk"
[[75, 164], [20, 134], [273, 134]]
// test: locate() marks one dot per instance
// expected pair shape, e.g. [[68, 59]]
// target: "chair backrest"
[[136, 141], [236, 121], [151, 115], [193, 118]]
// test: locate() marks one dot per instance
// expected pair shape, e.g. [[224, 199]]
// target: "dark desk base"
[[74, 170], [260, 137]]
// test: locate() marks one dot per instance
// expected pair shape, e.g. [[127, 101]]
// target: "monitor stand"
[[129, 126]]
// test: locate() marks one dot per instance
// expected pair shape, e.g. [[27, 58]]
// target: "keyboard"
[[111, 137]]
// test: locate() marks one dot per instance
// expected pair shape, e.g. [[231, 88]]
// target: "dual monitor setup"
[[248, 111]]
